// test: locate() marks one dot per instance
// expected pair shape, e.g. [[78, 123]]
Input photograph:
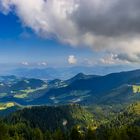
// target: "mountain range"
[[64, 73], [84, 89], [86, 106]]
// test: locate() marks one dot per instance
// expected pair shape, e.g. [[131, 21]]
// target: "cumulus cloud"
[[131, 58], [109, 18], [109, 59], [25, 63], [111, 25], [121, 58], [72, 59], [42, 64]]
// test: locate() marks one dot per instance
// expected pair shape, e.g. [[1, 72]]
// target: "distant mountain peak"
[[80, 75]]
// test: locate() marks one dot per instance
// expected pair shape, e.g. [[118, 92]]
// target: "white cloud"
[[25, 63], [111, 59], [42, 64], [111, 25], [72, 59]]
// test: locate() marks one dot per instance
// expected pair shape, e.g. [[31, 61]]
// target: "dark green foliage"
[[3, 132], [48, 136], [125, 126], [37, 134], [76, 134], [50, 118], [21, 131], [58, 135], [90, 134], [31, 124], [119, 133]]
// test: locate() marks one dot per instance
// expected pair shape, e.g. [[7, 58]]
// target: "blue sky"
[[20, 44], [59, 33]]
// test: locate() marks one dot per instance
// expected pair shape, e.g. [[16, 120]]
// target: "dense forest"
[[22, 131], [48, 123]]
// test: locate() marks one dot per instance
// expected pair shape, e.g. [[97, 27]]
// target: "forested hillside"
[[70, 122], [52, 117]]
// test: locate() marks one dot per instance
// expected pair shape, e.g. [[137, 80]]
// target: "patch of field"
[[29, 90], [137, 108], [21, 95], [4, 106], [136, 88]]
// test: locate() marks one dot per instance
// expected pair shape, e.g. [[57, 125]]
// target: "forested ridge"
[[69, 122]]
